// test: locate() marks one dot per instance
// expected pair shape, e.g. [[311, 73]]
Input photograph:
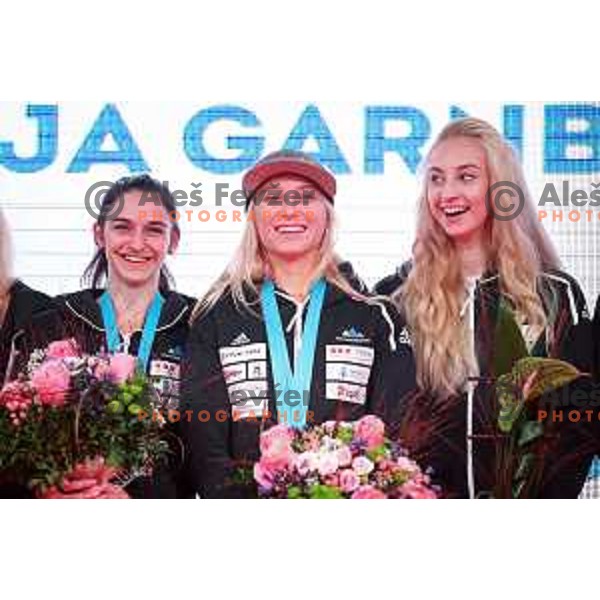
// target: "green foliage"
[[104, 419], [324, 492]]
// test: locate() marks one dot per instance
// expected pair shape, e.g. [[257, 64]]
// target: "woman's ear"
[[98, 235]]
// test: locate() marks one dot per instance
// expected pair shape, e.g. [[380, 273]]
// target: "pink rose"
[[368, 492], [406, 464], [63, 349], [51, 381], [328, 464], [349, 481], [344, 456], [418, 491], [121, 367], [276, 447], [264, 475], [371, 430]]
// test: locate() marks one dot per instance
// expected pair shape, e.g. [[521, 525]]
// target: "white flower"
[[362, 465], [306, 462], [328, 464]]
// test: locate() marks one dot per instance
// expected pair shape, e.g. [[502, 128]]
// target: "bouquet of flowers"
[[77, 425], [337, 460]]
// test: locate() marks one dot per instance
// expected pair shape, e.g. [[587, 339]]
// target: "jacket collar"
[[84, 306]]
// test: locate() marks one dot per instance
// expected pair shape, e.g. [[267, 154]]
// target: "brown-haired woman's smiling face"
[[136, 245]]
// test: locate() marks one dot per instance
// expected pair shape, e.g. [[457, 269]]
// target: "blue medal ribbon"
[[113, 338], [283, 378]]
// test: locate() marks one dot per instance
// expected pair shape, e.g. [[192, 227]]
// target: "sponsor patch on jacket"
[[235, 372], [257, 369], [346, 392], [233, 354], [346, 353], [354, 335], [404, 337], [240, 340], [347, 372], [165, 375]]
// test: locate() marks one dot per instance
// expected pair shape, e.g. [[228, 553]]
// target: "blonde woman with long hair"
[[475, 249], [286, 334], [19, 305]]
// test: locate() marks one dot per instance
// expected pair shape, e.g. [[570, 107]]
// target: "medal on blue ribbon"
[[284, 379], [113, 338]]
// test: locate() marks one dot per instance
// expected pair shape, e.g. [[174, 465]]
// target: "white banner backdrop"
[[52, 153]]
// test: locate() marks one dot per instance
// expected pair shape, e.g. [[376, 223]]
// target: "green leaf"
[[324, 492], [377, 453], [525, 465], [529, 432], [509, 415], [551, 375], [294, 492], [114, 407], [509, 343], [134, 409], [345, 434]]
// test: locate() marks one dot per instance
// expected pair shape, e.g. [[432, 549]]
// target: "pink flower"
[[362, 465], [406, 464], [328, 464], [17, 397], [305, 463], [371, 430], [349, 481], [368, 492], [121, 367], [344, 456], [264, 475], [63, 349], [418, 491], [276, 447], [51, 381]]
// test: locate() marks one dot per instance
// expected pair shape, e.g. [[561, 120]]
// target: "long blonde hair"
[[5, 256], [434, 292], [250, 266]]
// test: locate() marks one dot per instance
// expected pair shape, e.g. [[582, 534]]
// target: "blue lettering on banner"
[[47, 142], [109, 122], [193, 140], [311, 124], [558, 138], [408, 148], [571, 139]]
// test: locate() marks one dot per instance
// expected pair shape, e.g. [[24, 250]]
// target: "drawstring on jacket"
[[469, 307]]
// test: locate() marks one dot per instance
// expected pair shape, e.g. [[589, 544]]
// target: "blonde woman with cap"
[[285, 335], [465, 262]]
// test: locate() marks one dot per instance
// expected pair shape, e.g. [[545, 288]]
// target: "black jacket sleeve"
[[596, 337], [393, 377], [572, 443], [390, 284], [206, 413]]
